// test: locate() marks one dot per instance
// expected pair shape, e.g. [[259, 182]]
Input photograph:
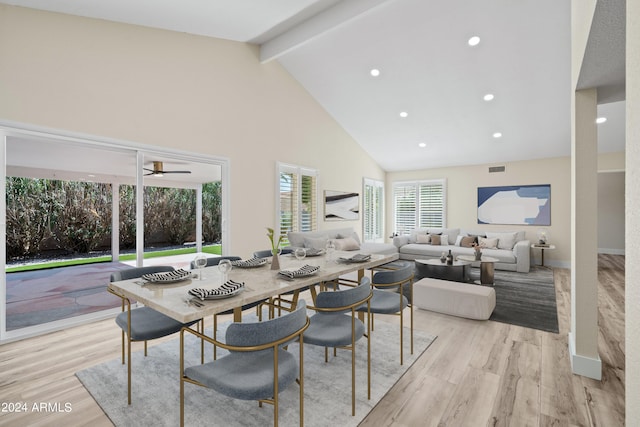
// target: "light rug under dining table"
[[327, 386]]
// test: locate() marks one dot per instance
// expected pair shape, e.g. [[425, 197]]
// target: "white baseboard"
[[581, 365]]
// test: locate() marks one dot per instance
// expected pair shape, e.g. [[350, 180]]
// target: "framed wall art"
[[341, 206], [515, 205]]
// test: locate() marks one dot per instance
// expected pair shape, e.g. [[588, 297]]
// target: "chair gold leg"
[[411, 313], [215, 333], [181, 379], [301, 382], [129, 369], [401, 336], [353, 366], [145, 348], [129, 355], [201, 327]]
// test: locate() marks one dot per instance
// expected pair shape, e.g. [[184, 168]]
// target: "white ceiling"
[[427, 68]]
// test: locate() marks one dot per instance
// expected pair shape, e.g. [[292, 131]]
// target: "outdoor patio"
[[42, 296]]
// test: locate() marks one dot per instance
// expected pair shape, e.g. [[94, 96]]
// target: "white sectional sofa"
[[344, 239], [510, 248]]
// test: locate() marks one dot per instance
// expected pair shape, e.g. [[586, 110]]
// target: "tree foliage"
[[76, 216]]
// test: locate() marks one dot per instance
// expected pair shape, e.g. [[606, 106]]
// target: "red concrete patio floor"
[[42, 296]]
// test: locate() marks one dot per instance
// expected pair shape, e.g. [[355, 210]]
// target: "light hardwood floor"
[[474, 374]]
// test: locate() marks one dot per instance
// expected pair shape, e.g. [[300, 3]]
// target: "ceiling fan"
[[158, 170]]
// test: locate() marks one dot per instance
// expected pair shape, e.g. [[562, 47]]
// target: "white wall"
[[176, 90], [611, 213]]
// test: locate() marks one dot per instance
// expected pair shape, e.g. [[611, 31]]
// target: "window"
[[419, 204], [297, 203], [373, 208]]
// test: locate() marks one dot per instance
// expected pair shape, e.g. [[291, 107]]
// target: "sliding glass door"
[[77, 209]]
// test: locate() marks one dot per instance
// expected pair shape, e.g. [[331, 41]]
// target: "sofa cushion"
[[378, 248], [346, 244], [488, 243], [296, 238], [414, 233], [505, 240], [468, 241], [423, 239], [315, 242]]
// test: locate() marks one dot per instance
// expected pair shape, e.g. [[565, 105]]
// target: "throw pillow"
[[488, 243], [444, 240], [315, 243], [459, 239], [468, 241], [423, 239], [353, 235], [505, 240], [346, 244], [435, 239]]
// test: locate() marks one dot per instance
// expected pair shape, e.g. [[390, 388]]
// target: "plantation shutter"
[[297, 204], [431, 202], [419, 204], [373, 208]]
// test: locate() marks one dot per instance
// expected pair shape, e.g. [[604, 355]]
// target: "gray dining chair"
[[266, 253], [392, 293], [335, 324], [258, 365], [142, 323]]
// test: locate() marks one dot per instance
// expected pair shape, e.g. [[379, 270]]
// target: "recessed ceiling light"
[[404, 114], [601, 120], [473, 41], [91, 175], [488, 97], [374, 72], [422, 145], [497, 135]]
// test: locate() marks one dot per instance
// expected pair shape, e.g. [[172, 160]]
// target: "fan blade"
[[176, 171]]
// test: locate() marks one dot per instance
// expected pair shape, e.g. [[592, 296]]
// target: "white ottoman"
[[454, 298]]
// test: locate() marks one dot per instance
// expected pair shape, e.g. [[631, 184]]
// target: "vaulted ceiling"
[[426, 108]]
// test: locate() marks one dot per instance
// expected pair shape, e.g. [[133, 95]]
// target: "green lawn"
[[212, 249]]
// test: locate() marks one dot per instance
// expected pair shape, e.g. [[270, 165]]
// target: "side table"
[[542, 249], [486, 267]]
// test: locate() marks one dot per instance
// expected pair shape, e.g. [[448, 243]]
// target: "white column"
[[632, 214], [139, 210], [115, 221], [583, 338], [3, 235], [199, 218]]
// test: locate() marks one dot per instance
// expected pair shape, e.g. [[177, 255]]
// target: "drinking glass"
[[225, 267], [300, 253], [329, 249], [200, 262]]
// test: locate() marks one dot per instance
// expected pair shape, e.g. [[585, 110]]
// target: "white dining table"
[[260, 283]]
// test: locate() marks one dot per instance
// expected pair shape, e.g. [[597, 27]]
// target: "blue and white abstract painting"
[[517, 204]]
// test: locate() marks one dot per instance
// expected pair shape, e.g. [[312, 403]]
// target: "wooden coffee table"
[[486, 267], [436, 269]]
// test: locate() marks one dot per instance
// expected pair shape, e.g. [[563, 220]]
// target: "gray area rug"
[[327, 386], [525, 299]]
